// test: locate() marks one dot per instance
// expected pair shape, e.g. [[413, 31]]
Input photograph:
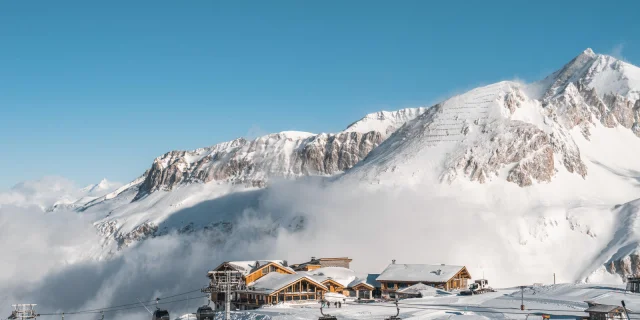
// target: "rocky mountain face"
[[526, 128], [281, 155]]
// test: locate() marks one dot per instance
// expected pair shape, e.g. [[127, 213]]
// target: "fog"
[[49, 260]]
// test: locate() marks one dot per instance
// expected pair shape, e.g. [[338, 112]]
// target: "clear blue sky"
[[92, 89]]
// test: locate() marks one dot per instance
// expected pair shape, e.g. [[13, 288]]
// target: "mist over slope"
[[515, 181]]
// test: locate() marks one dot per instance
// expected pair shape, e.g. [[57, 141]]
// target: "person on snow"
[[339, 304]]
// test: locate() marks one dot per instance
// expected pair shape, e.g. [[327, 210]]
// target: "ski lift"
[[205, 313], [160, 314]]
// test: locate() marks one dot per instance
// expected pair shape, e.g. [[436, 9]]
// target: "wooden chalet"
[[400, 276], [251, 271], [605, 312], [279, 287], [360, 289], [343, 281], [317, 263]]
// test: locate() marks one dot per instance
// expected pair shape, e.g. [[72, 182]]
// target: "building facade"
[[400, 276], [605, 312]]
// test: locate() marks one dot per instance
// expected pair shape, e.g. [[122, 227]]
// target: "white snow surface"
[[385, 122], [341, 275], [564, 301]]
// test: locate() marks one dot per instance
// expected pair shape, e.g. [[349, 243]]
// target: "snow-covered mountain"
[[541, 165], [286, 154], [54, 193]]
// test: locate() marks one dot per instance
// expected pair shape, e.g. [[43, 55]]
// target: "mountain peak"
[[589, 52], [385, 122]]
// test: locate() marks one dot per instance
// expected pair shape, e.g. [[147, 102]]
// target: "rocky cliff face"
[[252, 163], [283, 155]]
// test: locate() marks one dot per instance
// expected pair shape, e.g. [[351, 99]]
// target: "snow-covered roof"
[[359, 281], [247, 267], [275, 281], [340, 275], [419, 272]]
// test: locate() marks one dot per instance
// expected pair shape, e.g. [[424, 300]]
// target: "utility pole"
[[522, 298], [227, 300], [624, 306], [554, 278]]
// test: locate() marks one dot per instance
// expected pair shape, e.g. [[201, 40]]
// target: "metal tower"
[[23, 311], [227, 282]]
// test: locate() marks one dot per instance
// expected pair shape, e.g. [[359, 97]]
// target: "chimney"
[[285, 263], [393, 261], [313, 258]]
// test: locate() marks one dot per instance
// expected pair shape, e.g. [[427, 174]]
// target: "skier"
[[339, 304]]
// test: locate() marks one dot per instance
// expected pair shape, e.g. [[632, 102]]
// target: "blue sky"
[[99, 89]]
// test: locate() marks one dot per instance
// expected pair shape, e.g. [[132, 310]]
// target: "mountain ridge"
[[563, 140]]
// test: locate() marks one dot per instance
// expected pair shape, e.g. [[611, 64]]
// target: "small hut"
[[605, 312]]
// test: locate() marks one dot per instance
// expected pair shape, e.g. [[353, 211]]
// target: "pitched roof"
[[247, 267], [359, 281], [604, 308], [340, 275], [419, 272], [275, 281], [371, 279]]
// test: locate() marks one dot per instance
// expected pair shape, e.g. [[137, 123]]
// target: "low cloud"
[[57, 260]]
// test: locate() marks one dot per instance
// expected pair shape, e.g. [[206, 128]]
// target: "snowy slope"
[[184, 183], [557, 147], [562, 148], [385, 122]]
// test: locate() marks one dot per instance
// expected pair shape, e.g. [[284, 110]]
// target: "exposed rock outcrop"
[[506, 143], [253, 162]]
